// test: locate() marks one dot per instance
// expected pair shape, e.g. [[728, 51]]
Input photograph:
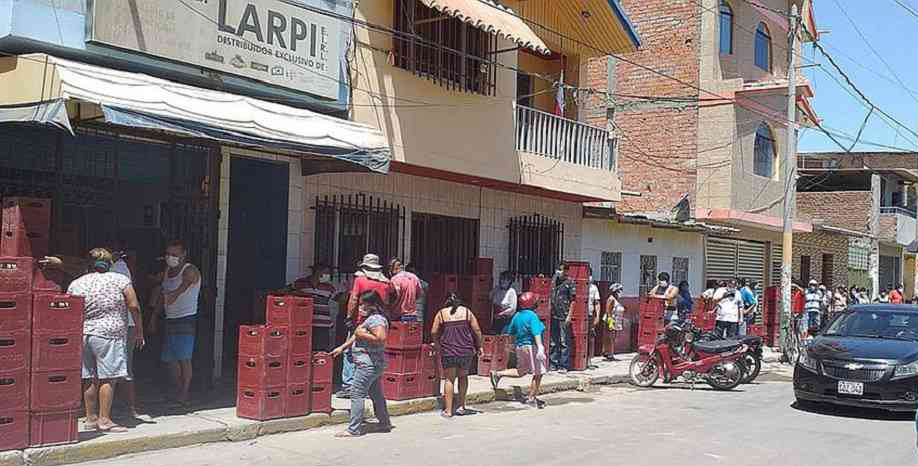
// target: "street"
[[753, 425]]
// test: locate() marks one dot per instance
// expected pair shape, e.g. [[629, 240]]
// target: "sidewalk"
[[221, 424]]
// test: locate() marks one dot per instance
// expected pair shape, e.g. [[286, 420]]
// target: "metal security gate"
[[536, 245], [726, 259]]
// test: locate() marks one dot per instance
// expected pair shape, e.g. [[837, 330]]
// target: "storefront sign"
[[271, 41]]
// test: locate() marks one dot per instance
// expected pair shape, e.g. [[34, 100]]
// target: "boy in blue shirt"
[[526, 330]]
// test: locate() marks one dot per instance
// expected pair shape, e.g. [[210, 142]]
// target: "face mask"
[[172, 261], [505, 284], [324, 278], [664, 284]]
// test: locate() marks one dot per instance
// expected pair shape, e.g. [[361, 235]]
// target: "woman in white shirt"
[[728, 311], [503, 300]]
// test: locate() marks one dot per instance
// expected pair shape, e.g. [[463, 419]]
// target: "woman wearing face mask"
[[667, 292], [503, 300], [615, 315], [367, 345]]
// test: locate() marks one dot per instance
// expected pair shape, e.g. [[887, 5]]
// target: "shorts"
[[103, 358], [528, 363], [456, 362], [129, 345], [177, 348]]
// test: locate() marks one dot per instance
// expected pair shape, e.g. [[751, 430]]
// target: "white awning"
[[138, 100], [493, 18]]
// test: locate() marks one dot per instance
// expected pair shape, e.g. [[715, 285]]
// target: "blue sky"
[[893, 33]]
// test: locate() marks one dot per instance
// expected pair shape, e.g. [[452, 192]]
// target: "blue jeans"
[[367, 382], [812, 319], [560, 352], [347, 370]]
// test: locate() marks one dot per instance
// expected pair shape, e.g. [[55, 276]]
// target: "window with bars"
[[858, 254], [648, 274], [349, 226], [428, 234], [452, 53], [536, 245], [680, 270], [764, 154], [610, 267], [804, 269], [828, 266]]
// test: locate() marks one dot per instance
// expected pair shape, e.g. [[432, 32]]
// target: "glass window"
[[764, 154], [726, 29], [762, 48]]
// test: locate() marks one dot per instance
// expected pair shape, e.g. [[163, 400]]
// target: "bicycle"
[[795, 333]]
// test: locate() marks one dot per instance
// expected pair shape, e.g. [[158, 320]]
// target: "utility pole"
[[790, 171]]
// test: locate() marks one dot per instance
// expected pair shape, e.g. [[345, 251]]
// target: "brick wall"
[[657, 143], [843, 209], [815, 245], [888, 228]]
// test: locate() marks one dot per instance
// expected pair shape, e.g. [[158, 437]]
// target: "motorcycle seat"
[[751, 340], [714, 347]]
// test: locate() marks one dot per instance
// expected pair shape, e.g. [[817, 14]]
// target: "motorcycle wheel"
[[721, 378], [752, 366], [644, 370]]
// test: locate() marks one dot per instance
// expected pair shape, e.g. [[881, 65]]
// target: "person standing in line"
[[615, 315], [406, 287], [684, 302], [368, 277], [181, 287], [318, 286], [457, 337], [134, 339], [526, 330], [594, 307], [503, 300], [728, 310], [109, 297], [839, 301], [750, 303], [421, 302], [368, 343], [562, 309], [897, 295], [667, 292], [813, 306]]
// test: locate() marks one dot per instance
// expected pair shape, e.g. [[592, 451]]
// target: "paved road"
[[753, 426]]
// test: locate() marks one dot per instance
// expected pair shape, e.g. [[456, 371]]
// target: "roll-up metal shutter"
[[720, 259], [777, 257], [751, 261]]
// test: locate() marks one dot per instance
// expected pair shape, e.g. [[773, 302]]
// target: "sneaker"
[[495, 379], [562, 370], [539, 403]]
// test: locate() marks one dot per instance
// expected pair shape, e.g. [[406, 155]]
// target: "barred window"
[[428, 253], [610, 267], [450, 52], [858, 254], [648, 274], [536, 245], [349, 226], [680, 269]]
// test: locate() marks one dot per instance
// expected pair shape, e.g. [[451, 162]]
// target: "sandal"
[[346, 434], [112, 429]]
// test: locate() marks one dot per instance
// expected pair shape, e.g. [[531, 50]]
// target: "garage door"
[[726, 259]]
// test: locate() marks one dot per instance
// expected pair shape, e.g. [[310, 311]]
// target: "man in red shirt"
[[896, 295], [369, 277], [407, 288]]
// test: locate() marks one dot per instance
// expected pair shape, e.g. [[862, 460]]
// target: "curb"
[[79, 453]]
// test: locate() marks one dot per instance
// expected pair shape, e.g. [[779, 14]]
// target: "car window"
[[875, 324]]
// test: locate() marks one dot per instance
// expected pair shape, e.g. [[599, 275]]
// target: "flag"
[[559, 98]]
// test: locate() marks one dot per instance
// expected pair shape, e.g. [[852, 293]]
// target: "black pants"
[[726, 329]]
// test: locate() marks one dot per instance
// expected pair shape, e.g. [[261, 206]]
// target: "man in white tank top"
[[181, 287]]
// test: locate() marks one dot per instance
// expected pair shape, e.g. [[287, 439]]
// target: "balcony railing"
[[549, 135], [898, 210]]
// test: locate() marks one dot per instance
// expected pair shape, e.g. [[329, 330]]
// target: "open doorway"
[[256, 245]]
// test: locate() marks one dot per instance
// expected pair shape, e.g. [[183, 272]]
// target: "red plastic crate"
[[16, 274], [15, 350], [443, 284], [495, 344], [54, 428], [297, 402], [299, 368], [482, 266], [475, 288], [48, 280], [578, 270], [14, 390], [261, 403], [262, 371], [290, 311], [403, 361], [301, 341], [55, 391], [322, 366], [579, 361], [14, 430], [51, 352], [24, 243], [320, 397], [580, 325], [487, 363], [430, 385], [543, 310], [57, 313], [400, 387], [429, 360], [263, 340], [484, 319], [538, 285], [404, 335], [16, 312], [27, 213]]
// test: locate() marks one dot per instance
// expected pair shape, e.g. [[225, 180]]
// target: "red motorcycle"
[[676, 355]]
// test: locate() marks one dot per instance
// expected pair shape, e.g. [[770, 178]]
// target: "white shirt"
[[728, 308], [122, 268], [594, 297], [505, 299], [187, 303]]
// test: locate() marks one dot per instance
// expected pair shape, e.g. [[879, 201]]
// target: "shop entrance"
[[257, 243]]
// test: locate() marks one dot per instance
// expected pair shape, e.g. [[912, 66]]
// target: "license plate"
[[850, 388]]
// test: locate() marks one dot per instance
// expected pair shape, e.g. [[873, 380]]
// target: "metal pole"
[[790, 170]]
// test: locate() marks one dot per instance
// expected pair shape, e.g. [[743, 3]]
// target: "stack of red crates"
[[542, 287], [651, 323], [41, 332], [579, 272], [702, 317], [475, 291], [494, 354], [411, 366], [440, 286], [278, 374], [770, 315]]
